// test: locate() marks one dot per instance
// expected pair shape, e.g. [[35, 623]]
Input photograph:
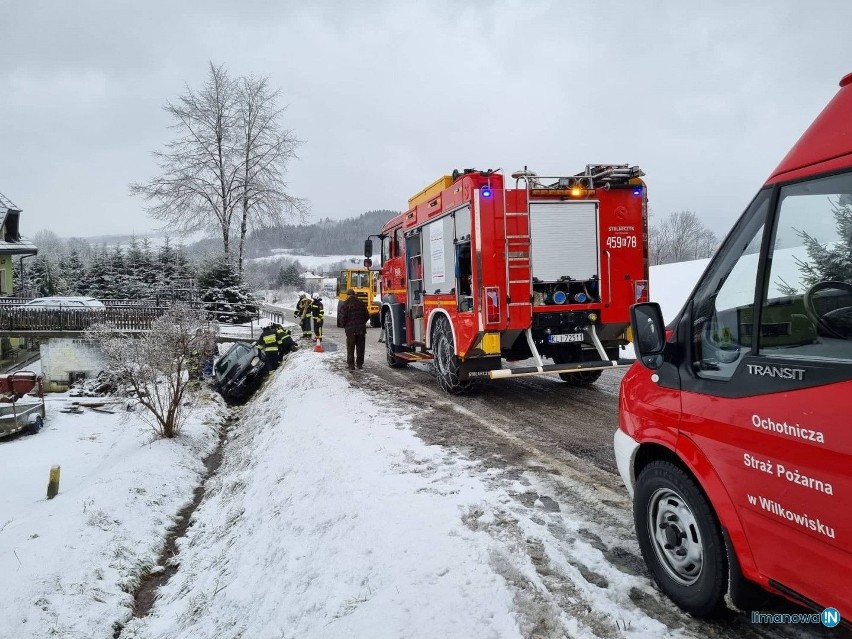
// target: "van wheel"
[[680, 539], [581, 378], [36, 425], [390, 349], [447, 363]]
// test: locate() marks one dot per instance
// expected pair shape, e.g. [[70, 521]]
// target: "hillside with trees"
[[326, 237]]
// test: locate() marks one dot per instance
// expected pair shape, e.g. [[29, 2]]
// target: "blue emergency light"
[[486, 191]]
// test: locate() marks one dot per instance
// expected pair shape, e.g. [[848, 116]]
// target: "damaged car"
[[240, 371]]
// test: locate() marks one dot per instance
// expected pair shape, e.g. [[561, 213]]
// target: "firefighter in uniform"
[[303, 314], [268, 343], [317, 313], [284, 339]]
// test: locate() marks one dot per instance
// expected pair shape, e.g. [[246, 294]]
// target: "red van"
[[735, 423]]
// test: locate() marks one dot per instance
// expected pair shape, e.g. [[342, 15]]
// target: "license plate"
[[567, 337]]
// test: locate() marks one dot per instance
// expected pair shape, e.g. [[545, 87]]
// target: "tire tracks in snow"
[[557, 440]]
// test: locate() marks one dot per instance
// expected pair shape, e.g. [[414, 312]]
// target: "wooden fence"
[[128, 318]]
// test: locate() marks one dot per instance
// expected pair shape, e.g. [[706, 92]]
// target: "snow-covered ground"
[[328, 518], [67, 564], [316, 263]]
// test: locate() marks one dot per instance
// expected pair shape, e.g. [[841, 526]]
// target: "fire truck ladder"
[[518, 265]]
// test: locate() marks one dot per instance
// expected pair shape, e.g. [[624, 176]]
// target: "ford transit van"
[[735, 424]]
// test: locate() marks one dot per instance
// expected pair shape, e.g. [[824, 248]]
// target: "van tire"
[[681, 539], [447, 363]]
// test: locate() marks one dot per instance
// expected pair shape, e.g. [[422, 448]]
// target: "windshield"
[[808, 291], [231, 358], [360, 279]]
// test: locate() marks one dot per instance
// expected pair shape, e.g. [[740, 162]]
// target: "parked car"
[[240, 371], [59, 303]]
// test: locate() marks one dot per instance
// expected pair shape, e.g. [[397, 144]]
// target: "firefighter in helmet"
[[303, 313], [268, 343], [284, 339], [317, 313]]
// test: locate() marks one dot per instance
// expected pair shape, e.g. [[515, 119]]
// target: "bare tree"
[[156, 364], [199, 185], [266, 150], [231, 152], [681, 237]]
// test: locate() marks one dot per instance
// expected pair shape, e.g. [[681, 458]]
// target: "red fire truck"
[[475, 273], [735, 437]]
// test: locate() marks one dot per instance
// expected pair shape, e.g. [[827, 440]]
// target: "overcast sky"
[[388, 96]]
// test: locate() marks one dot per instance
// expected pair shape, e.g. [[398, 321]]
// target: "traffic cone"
[[318, 347]]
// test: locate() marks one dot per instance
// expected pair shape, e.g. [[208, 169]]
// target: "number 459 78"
[[621, 241]]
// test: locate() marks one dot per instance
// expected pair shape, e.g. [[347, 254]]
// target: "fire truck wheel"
[[390, 349], [447, 363], [583, 378], [680, 539]]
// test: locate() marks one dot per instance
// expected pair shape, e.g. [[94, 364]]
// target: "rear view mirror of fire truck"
[[649, 333], [368, 248]]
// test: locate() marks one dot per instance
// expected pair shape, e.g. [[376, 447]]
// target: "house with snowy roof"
[[313, 282], [12, 245]]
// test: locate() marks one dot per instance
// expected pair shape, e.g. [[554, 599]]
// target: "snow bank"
[[345, 516], [68, 564]]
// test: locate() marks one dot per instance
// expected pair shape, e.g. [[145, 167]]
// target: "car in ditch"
[[240, 371]]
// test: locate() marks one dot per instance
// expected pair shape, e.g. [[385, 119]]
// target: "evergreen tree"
[[119, 284], [74, 272], [183, 266], [224, 292], [98, 274], [167, 263], [290, 276], [148, 273], [41, 275]]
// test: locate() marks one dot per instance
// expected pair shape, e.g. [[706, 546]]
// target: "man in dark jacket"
[[352, 315]]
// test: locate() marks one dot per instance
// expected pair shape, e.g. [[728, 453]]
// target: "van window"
[[808, 308], [723, 304]]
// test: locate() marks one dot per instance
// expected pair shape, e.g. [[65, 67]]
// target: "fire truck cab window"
[[464, 275], [386, 248], [808, 307], [724, 302], [397, 243]]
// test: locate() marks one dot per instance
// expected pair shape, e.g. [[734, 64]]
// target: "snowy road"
[[559, 438]]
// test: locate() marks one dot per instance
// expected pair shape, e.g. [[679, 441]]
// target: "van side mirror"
[[649, 333], [368, 248]]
